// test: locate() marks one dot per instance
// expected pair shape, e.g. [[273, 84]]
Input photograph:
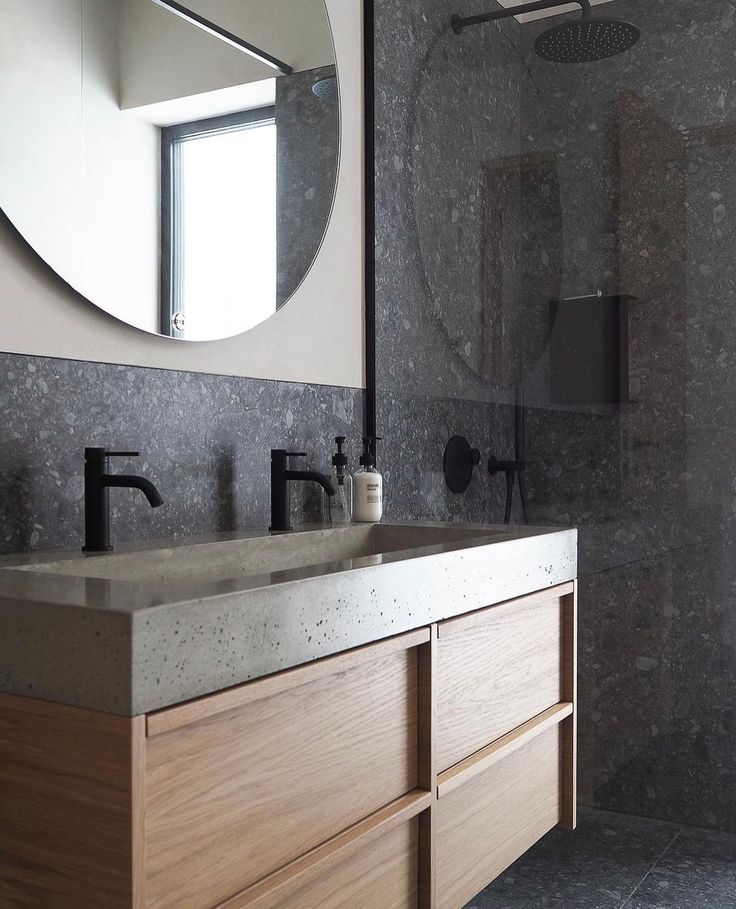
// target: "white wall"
[[317, 337], [58, 94], [304, 45], [40, 54], [122, 180], [164, 57]]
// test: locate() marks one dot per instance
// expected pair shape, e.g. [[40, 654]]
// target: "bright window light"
[[224, 228]]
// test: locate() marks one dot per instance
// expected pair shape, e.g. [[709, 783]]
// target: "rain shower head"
[[326, 89], [586, 40], [578, 41]]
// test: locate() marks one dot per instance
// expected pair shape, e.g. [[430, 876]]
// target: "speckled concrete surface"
[[204, 440], [130, 647], [699, 869], [617, 861]]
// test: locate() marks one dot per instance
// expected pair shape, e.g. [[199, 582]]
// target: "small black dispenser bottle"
[[341, 504]]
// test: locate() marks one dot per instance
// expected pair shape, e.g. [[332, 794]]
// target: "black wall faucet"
[[97, 483], [516, 467], [281, 475]]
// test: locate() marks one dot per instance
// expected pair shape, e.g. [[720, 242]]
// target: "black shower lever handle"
[[509, 496]]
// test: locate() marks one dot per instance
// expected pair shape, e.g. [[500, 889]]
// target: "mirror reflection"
[[176, 165]]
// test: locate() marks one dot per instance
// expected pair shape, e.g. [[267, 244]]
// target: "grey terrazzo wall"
[[505, 182], [308, 148], [431, 94], [444, 106], [644, 150], [415, 429], [204, 440]]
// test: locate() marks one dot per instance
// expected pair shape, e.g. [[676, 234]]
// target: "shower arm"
[[458, 23]]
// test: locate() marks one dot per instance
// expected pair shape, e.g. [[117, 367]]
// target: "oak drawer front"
[[235, 795], [384, 875], [496, 669], [486, 824]]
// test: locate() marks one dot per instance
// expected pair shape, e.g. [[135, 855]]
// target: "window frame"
[[171, 140]]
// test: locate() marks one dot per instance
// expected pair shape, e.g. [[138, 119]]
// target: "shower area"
[[556, 215]]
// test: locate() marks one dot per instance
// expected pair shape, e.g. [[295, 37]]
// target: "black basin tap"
[[97, 483], [281, 475]]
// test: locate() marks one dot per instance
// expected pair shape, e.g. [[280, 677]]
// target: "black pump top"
[[368, 458], [340, 459]]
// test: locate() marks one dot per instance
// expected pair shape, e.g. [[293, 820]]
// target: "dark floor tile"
[[697, 872], [596, 867]]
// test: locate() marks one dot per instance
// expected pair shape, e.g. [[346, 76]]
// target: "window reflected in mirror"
[[219, 191]]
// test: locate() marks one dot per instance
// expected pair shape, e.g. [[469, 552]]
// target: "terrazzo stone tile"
[[436, 123], [204, 440], [698, 870], [621, 180], [415, 431], [656, 675], [308, 143], [596, 867]]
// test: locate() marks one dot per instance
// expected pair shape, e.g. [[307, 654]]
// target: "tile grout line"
[[672, 842]]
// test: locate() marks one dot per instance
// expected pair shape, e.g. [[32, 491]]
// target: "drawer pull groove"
[[276, 887], [485, 758]]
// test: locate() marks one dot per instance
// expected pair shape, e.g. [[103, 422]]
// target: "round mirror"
[[176, 165]]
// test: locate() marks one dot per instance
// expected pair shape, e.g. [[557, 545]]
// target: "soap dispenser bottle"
[[368, 485], [341, 504]]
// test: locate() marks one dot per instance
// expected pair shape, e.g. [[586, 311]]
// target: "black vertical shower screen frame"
[[369, 196]]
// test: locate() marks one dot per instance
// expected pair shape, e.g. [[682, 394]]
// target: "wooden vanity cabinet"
[[506, 737], [496, 669], [402, 775], [484, 825], [242, 783], [374, 865], [69, 802]]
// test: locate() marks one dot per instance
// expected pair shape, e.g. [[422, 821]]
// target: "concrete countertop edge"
[[142, 661]]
